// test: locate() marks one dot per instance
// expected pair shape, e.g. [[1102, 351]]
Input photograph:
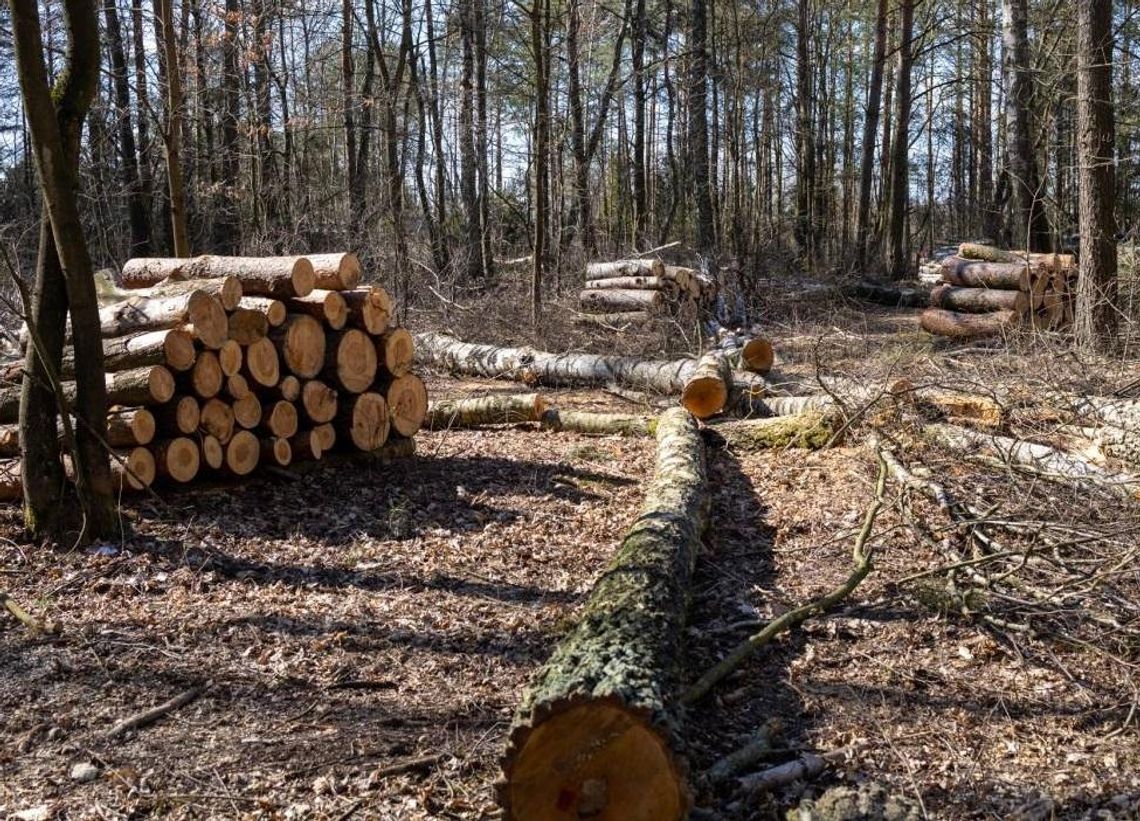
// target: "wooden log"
[[227, 289], [336, 272], [497, 409], [328, 307], [205, 379], [755, 355], [242, 454], [326, 433], [811, 430], [706, 390], [260, 276], [541, 367], [318, 402], [237, 386], [173, 347], [276, 451], [301, 343], [368, 308], [615, 320], [213, 453], [289, 389], [306, 446], [181, 415], [126, 428], [968, 326], [598, 424], [246, 326], [615, 301], [686, 278], [407, 403], [1015, 276], [625, 268], [363, 420], [670, 286], [217, 419], [350, 359], [397, 351], [987, 253], [230, 357], [262, 365], [136, 471], [199, 313], [274, 310], [247, 411], [177, 459], [979, 300], [280, 419], [893, 295], [597, 734], [140, 386]]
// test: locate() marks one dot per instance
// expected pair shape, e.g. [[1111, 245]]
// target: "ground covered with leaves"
[[363, 633]]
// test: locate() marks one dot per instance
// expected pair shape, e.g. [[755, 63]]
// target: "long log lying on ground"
[[978, 300], [141, 386], [497, 409], [968, 326], [616, 319], [540, 367], [336, 272], [277, 277], [1010, 276], [634, 283], [620, 301], [811, 430], [598, 424], [625, 268], [596, 733]]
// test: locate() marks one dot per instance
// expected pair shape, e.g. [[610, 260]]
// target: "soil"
[[365, 632]]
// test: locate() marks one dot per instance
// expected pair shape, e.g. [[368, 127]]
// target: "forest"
[[559, 409]]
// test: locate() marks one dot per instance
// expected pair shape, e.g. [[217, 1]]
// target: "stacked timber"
[[217, 365], [637, 290], [985, 291]]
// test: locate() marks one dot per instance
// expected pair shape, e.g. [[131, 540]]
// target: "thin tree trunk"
[[172, 133], [900, 165]]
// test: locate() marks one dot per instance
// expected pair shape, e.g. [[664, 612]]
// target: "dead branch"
[[739, 760], [27, 619], [148, 717]]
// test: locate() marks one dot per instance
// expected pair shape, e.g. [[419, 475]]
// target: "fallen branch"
[[739, 760], [148, 717], [27, 619]]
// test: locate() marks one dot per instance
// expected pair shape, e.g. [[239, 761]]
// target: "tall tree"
[[172, 131], [900, 164], [1096, 314], [699, 129], [870, 129]]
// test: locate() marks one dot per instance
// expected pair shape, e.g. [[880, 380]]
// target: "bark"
[[278, 277], [497, 409], [227, 289], [870, 129], [699, 130], [126, 428], [368, 308], [605, 697], [620, 300], [201, 314], [180, 415], [968, 326], [336, 272], [636, 283], [979, 300], [987, 253], [143, 386], [900, 162], [172, 133], [306, 446], [598, 424], [615, 320], [812, 429], [227, 219], [625, 268], [1011, 276], [328, 307]]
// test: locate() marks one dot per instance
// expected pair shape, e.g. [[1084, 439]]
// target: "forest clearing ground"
[[369, 632]]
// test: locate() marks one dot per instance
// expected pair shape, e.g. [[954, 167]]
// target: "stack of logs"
[[637, 290], [986, 292], [220, 364]]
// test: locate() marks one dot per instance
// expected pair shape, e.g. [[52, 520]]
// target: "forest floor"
[[367, 632]]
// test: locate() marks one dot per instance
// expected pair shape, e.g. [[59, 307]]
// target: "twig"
[[29, 621], [148, 717], [809, 765], [738, 760], [861, 555], [411, 765]]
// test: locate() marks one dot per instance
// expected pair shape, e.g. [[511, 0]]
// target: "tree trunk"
[[172, 133], [142, 386], [620, 300], [979, 300], [699, 131], [810, 430], [278, 277], [350, 360], [968, 326], [900, 164], [497, 409], [364, 420], [301, 343], [336, 272]]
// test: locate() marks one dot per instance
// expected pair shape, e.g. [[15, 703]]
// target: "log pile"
[[631, 291], [217, 365], [986, 292]]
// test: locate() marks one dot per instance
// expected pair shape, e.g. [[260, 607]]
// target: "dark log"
[[968, 326], [978, 300]]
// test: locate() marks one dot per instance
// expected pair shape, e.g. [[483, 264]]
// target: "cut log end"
[[177, 459], [213, 454], [262, 363], [366, 421], [594, 760], [178, 349], [218, 420], [337, 272], [208, 318], [138, 471], [757, 355], [704, 396], [182, 415], [230, 357], [277, 451], [319, 401], [408, 403], [206, 377], [280, 419], [352, 360], [326, 434], [398, 350], [160, 383], [242, 453], [247, 411], [368, 308], [302, 346]]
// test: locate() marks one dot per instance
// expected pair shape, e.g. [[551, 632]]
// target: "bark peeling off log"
[[596, 733]]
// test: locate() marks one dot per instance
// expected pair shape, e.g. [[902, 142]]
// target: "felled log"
[[213, 452], [205, 378], [979, 300], [126, 428], [247, 411], [368, 308], [363, 420], [634, 283], [407, 403], [336, 272], [201, 314], [217, 419], [140, 386], [596, 734], [230, 358], [326, 433], [132, 470], [396, 350], [246, 326], [173, 347], [262, 365], [350, 360], [811, 430], [306, 446], [177, 459], [893, 295], [598, 424], [755, 354], [497, 409], [179, 416], [242, 454], [968, 326], [625, 268], [325, 306], [614, 301], [616, 319], [319, 402], [280, 419], [706, 390], [1009, 276], [289, 389], [274, 310], [301, 343], [540, 367], [228, 289], [276, 451], [974, 250], [277, 277]]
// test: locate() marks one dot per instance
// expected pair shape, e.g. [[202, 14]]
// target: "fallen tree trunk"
[[1009, 276], [810, 429], [227, 290], [596, 734], [326, 306], [336, 272], [141, 386], [625, 268], [274, 310], [620, 301], [755, 354], [634, 283], [126, 428], [278, 277], [975, 250], [499, 409], [202, 314], [968, 326], [173, 348], [978, 300], [706, 390], [598, 424]]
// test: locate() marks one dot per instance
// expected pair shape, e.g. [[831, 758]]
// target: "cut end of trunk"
[[182, 415], [208, 318], [246, 326], [307, 446], [247, 411], [302, 346], [303, 277], [213, 454], [592, 760], [178, 349], [408, 403], [352, 360], [160, 383], [757, 355], [276, 451], [368, 308], [207, 376], [704, 396], [280, 419], [137, 425], [242, 453], [319, 401], [139, 470], [326, 434], [968, 326], [366, 421], [230, 357], [177, 459], [398, 350], [218, 420], [262, 364], [289, 388], [337, 272], [237, 386]]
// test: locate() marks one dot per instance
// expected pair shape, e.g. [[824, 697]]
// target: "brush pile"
[[637, 290], [216, 365]]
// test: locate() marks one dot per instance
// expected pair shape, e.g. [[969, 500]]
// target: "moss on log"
[[811, 429], [598, 424], [596, 734]]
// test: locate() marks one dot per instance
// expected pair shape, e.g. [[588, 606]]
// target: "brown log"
[[706, 391], [364, 420], [987, 253], [242, 454], [397, 351], [228, 289], [301, 343], [407, 403], [260, 276], [350, 360], [318, 401], [368, 308], [968, 326], [247, 411], [126, 428], [978, 300], [201, 314], [273, 310], [246, 326], [612, 301], [262, 366], [326, 433], [1015, 276], [276, 451], [136, 470], [177, 459], [237, 386], [636, 284], [217, 419], [306, 446], [289, 389], [181, 415], [230, 357], [173, 348], [625, 268], [328, 307], [336, 272], [205, 380], [280, 419], [756, 355], [213, 454]]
